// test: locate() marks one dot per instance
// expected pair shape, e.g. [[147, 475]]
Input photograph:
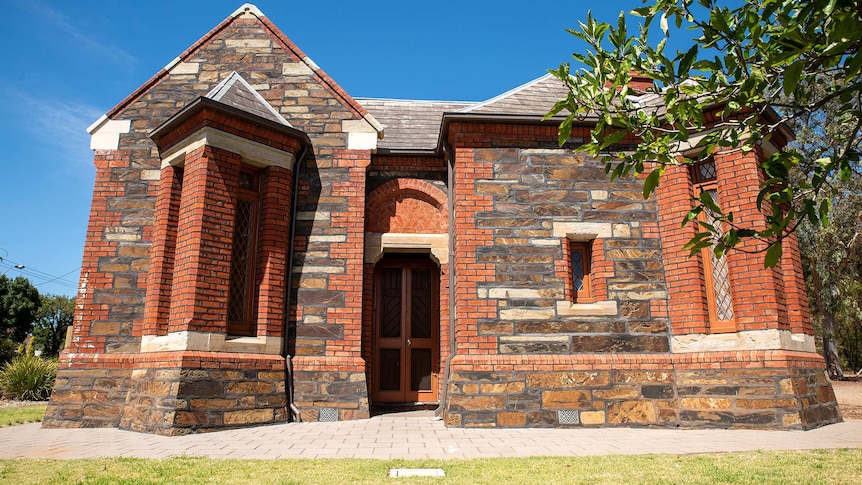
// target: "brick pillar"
[[754, 289], [272, 250], [160, 277], [686, 287], [471, 166], [203, 256], [92, 319], [351, 251], [794, 286]]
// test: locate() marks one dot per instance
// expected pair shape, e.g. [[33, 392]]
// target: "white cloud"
[[83, 39], [54, 126]]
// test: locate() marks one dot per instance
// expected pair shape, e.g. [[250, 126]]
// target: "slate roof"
[[536, 97], [410, 124], [234, 91]]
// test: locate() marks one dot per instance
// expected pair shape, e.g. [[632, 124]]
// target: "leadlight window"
[[716, 274], [241, 314], [580, 255]]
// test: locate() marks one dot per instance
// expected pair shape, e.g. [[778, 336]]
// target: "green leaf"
[[773, 254], [706, 199], [824, 212], [791, 77], [565, 130], [612, 139], [651, 181]]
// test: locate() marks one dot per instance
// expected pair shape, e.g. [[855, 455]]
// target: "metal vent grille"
[[568, 416], [328, 414]]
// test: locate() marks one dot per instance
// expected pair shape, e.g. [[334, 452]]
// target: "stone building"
[[263, 247]]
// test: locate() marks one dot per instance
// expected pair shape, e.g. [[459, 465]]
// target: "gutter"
[[450, 174], [294, 415]]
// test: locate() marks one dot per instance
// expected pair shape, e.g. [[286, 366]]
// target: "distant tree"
[[55, 314], [19, 302], [747, 57], [832, 253]]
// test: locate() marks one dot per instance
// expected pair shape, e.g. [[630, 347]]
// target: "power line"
[[8, 264]]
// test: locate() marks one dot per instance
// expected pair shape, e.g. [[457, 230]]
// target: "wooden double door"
[[406, 330]]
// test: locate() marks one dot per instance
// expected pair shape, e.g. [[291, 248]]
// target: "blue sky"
[[68, 62]]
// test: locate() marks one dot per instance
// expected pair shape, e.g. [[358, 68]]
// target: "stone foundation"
[[169, 393], [330, 388], [718, 389]]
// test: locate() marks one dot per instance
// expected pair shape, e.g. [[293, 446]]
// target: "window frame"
[[585, 294], [248, 326], [716, 325]]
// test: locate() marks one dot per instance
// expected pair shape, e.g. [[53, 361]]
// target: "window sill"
[[595, 309]]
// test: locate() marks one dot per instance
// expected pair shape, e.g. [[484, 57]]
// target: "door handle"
[[409, 343]]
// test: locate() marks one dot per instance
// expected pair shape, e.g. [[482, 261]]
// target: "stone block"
[[452, 419], [248, 416], [211, 404], [567, 399], [766, 403], [498, 388], [191, 418], [592, 417], [631, 412], [636, 376], [657, 392], [201, 389], [240, 388], [477, 403], [542, 417], [569, 379], [705, 403], [616, 393], [535, 348], [511, 419]]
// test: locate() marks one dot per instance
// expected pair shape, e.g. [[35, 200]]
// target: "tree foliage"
[[56, 313], [19, 302], [753, 65]]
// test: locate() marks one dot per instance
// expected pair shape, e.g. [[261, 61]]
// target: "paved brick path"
[[415, 435]]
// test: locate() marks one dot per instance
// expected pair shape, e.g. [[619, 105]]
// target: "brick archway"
[[407, 206]]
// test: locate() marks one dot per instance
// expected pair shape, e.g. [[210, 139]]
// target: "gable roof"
[[535, 97], [235, 91], [250, 11], [414, 124]]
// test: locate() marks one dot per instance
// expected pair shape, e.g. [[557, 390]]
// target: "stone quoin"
[[264, 247]]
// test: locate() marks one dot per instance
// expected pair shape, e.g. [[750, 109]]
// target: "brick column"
[[160, 279], [685, 282], [202, 264], [754, 289], [272, 243]]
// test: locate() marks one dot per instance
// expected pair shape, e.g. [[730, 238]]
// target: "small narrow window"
[[580, 255], [716, 275], [241, 320]]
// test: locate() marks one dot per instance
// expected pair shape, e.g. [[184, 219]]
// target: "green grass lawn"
[[30, 413], [820, 466]]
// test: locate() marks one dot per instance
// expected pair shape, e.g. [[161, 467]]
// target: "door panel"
[[406, 334]]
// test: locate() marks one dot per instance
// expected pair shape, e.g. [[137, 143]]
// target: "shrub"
[[8, 350], [28, 377]]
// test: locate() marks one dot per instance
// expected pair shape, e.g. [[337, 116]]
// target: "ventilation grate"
[[328, 414], [568, 416]]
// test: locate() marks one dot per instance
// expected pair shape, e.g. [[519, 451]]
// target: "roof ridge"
[[218, 92], [403, 100], [507, 94]]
